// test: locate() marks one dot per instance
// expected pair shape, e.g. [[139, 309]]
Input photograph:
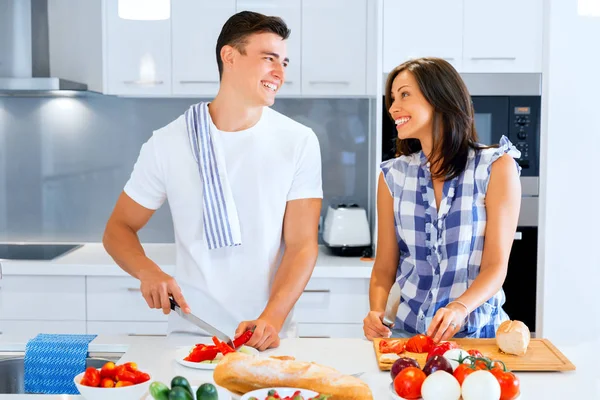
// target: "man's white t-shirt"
[[275, 161]]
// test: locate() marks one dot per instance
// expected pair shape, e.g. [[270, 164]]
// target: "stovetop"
[[35, 252]]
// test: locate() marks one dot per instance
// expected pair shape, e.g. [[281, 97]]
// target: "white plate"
[[223, 393], [183, 352], [261, 394]]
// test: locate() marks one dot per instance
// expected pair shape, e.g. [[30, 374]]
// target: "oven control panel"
[[524, 132]]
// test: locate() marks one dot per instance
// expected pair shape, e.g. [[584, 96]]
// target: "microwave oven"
[[509, 105]]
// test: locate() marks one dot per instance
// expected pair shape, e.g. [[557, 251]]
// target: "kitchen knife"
[[201, 324], [391, 308]]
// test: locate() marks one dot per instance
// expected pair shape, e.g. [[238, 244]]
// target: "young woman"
[[447, 211]]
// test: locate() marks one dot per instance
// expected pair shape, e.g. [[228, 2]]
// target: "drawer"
[[337, 300], [32, 328], [330, 331], [127, 328], [118, 299], [54, 298]]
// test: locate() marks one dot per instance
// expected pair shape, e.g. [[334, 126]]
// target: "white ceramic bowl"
[[261, 394], [114, 393]]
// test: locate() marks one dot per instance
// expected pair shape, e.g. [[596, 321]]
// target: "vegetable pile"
[[181, 390], [273, 395], [111, 375], [208, 353]]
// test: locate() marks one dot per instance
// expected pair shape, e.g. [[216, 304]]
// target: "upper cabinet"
[[473, 35], [334, 47], [503, 36], [290, 11], [137, 56], [422, 28], [196, 25]]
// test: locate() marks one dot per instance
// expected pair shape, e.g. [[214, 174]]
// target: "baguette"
[[241, 373]]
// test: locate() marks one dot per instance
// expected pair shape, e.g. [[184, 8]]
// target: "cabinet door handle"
[[518, 235], [493, 58], [199, 82], [143, 82], [317, 291], [315, 337], [133, 289], [329, 82], [147, 334]]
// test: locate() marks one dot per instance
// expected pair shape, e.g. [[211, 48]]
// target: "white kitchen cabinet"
[[425, 28], [503, 36], [127, 328], [138, 55], [334, 47], [32, 328], [196, 25], [290, 11], [340, 300], [42, 298], [118, 299]]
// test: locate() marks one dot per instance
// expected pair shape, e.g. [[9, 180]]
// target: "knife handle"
[[173, 303]]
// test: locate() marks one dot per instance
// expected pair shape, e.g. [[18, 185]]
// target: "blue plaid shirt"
[[441, 251]]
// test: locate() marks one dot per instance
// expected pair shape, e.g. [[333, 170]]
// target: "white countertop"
[[156, 355], [92, 260]]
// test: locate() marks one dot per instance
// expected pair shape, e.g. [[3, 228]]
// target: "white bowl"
[[261, 394], [114, 393]]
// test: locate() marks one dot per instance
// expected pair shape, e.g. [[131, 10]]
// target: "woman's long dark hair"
[[445, 90]]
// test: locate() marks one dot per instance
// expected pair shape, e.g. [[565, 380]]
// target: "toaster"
[[346, 231]]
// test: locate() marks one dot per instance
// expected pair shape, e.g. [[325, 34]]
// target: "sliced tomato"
[[420, 344], [392, 346], [441, 348]]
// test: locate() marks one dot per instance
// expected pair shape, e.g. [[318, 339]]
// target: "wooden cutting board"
[[541, 355]]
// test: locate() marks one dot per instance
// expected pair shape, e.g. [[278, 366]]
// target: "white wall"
[[570, 155]]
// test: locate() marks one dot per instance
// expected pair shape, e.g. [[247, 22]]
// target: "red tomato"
[[107, 383], [108, 370], [124, 383], [408, 383], [141, 377], [127, 376], [131, 366], [510, 386], [420, 344], [91, 377], [475, 353], [462, 371], [441, 348], [392, 346]]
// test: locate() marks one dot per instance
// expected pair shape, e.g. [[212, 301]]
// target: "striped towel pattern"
[[52, 361], [220, 219]]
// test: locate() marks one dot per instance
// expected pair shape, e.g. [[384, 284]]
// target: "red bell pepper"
[[243, 338], [222, 346], [202, 352]]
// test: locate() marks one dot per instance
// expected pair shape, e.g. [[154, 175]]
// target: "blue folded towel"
[[52, 361]]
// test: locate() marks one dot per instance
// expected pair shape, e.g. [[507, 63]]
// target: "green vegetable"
[[180, 393], [180, 381], [298, 397], [207, 391], [245, 349], [159, 391], [272, 392]]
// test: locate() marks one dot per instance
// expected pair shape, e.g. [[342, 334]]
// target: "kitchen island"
[[156, 356]]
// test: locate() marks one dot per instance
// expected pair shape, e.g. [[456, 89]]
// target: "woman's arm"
[[502, 203], [384, 270]]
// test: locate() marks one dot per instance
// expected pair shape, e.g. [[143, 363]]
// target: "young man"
[[244, 189]]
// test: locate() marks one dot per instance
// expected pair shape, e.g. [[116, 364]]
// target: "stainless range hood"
[[24, 52]]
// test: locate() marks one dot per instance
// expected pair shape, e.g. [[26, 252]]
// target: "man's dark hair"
[[239, 26]]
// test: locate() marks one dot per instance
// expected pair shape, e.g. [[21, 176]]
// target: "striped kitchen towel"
[[221, 223], [52, 361]]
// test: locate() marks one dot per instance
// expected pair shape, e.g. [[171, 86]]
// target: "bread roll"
[[242, 373], [513, 337]]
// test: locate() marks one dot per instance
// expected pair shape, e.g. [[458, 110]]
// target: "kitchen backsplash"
[[64, 161]]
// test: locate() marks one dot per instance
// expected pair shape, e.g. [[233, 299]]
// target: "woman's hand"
[[374, 327], [447, 322]]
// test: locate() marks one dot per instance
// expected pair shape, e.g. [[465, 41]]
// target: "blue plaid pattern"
[[440, 255], [52, 361]]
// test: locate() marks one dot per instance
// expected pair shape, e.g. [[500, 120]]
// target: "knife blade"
[[391, 307], [201, 324]]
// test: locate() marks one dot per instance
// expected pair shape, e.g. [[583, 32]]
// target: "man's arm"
[[300, 235], [122, 243]]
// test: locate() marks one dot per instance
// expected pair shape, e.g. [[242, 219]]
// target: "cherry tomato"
[[124, 383], [127, 376], [108, 370], [462, 371], [141, 377], [420, 344], [91, 377], [131, 366], [107, 383], [408, 382], [510, 386]]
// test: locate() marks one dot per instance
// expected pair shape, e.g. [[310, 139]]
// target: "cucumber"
[[159, 391], [180, 381], [180, 393], [207, 391]]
